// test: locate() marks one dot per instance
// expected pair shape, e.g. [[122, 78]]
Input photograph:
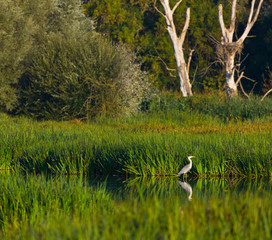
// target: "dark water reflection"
[[167, 187], [205, 188]]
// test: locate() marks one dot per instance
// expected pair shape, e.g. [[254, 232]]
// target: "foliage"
[[65, 70], [146, 34], [25, 26], [139, 25], [233, 109], [165, 102], [16, 30], [82, 77], [213, 105]]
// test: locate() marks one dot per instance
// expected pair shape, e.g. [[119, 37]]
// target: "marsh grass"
[[228, 139], [26, 198], [147, 146], [39, 207], [235, 109]]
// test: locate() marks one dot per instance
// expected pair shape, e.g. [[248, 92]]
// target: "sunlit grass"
[[141, 146]]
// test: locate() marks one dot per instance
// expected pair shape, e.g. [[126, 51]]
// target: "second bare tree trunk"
[[231, 86], [228, 48]]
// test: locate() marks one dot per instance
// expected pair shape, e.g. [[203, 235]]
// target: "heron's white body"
[[187, 187], [187, 167]]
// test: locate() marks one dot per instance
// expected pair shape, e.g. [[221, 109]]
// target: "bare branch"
[[165, 64], [233, 15], [241, 86], [194, 75], [177, 42], [186, 26], [189, 59], [251, 11], [250, 22], [250, 79], [269, 91], [258, 11], [241, 61], [239, 78], [158, 10], [251, 91], [228, 49], [176, 5], [221, 21]]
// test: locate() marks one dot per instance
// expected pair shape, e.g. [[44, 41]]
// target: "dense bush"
[[24, 28], [15, 42], [66, 69], [85, 77]]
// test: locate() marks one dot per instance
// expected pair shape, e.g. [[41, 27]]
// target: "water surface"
[[190, 189]]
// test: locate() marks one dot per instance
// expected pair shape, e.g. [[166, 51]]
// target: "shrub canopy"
[[57, 67]]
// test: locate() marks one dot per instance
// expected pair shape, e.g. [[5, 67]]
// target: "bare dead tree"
[[227, 49], [177, 44]]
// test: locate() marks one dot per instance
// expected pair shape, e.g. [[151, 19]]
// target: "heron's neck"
[[190, 195], [190, 162]]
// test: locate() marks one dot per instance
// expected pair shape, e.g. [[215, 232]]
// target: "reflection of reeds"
[[202, 187], [36, 207], [96, 149]]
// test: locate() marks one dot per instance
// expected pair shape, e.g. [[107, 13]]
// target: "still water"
[[190, 189]]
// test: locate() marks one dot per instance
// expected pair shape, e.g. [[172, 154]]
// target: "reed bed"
[[40, 207], [111, 149]]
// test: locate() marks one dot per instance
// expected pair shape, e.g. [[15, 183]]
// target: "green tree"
[[139, 25]]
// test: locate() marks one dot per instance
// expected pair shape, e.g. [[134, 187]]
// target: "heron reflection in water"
[[186, 168], [187, 187]]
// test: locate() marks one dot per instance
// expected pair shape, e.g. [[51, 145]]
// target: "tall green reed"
[[98, 149], [35, 207], [26, 198]]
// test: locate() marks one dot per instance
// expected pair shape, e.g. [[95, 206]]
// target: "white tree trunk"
[[177, 44], [183, 72], [231, 86], [230, 47]]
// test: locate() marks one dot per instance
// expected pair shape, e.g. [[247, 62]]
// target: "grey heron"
[[187, 167], [187, 187]]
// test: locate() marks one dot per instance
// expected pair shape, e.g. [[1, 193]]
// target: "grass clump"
[[213, 106], [235, 109]]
